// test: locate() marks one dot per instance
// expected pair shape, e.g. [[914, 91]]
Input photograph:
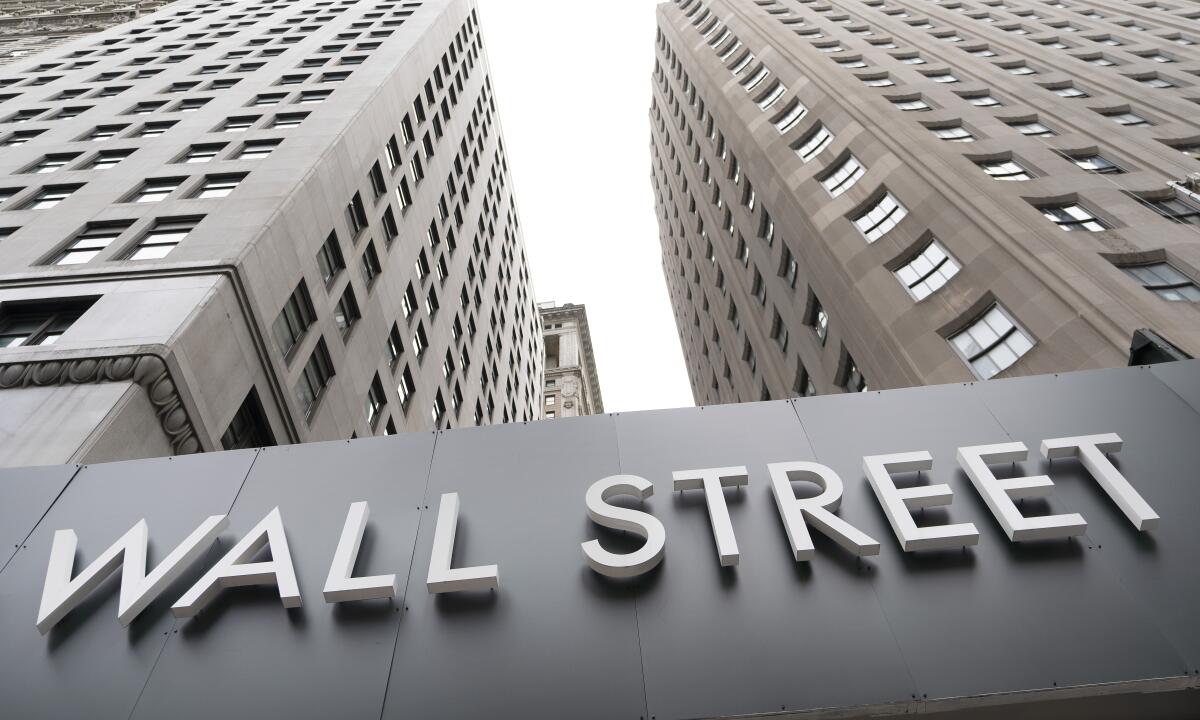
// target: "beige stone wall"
[[1063, 288]]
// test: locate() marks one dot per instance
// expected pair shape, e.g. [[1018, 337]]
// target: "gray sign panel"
[[1037, 622]]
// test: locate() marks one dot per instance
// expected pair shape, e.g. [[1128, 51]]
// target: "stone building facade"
[[572, 385], [31, 26], [245, 222], [889, 193]]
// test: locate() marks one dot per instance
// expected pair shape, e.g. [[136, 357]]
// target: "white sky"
[[572, 83]]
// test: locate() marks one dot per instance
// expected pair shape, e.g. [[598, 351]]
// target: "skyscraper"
[[572, 385], [31, 26], [240, 222], [888, 193]]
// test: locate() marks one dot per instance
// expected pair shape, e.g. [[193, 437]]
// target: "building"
[[233, 224], [30, 26], [572, 386], [889, 193]]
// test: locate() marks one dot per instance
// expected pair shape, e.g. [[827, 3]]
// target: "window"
[[310, 97], [329, 259], [200, 153], [51, 163], [162, 238], [378, 186], [284, 122], [249, 427], [154, 190], [89, 243], [1129, 119], [346, 313], [406, 387], [944, 78], [854, 382], [983, 100], [790, 117], [267, 99], [40, 323], [20, 138], [293, 320], [882, 216], [420, 341], [256, 149], [316, 376], [926, 273], [439, 407], [843, 177], [1175, 209], [218, 186], [1005, 170], [376, 401], [1020, 70], [1032, 128], [992, 343], [954, 133], [916, 104], [1069, 91], [238, 124], [1096, 164], [818, 320], [1161, 279], [154, 129], [50, 196], [812, 146], [1073, 216], [371, 269], [883, 81], [356, 215]]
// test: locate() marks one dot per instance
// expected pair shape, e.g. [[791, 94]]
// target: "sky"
[[573, 91]]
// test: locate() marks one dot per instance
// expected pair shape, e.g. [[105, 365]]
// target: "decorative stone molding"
[[148, 371]]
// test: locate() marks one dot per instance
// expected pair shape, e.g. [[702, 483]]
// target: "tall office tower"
[[572, 385], [31, 26], [240, 222], [887, 193]]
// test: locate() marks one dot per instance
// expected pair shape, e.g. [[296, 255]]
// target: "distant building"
[[31, 26], [572, 385], [868, 194]]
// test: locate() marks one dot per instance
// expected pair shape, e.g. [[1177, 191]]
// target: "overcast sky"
[[572, 83]]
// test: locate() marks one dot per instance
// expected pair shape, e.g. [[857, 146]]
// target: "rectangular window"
[[926, 273], [257, 149], [329, 259], [39, 323], [1033, 129], [391, 231], [293, 320], [420, 341], [49, 197], [249, 428], [318, 371], [154, 190], [1074, 216], [395, 346], [812, 145], [1165, 281], [346, 313], [1129, 119], [371, 269], [406, 387], [378, 186], [882, 216], [284, 122], [93, 240], [200, 153], [51, 163], [1005, 170], [790, 117], [1097, 164], [955, 133], [356, 215], [819, 320], [855, 382], [162, 238], [238, 124], [1175, 209], [218, 186], [992, 343], [843, 177], [376, 401]]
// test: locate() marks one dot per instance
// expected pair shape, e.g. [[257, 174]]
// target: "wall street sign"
[[933, 548]]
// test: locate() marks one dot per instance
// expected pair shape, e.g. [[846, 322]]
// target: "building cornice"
[[148, 370]]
